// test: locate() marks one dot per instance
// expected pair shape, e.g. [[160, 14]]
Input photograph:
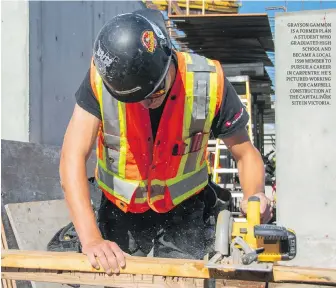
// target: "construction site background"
[[51, 43]]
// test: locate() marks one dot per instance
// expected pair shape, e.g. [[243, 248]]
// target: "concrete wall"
[[61, 39], [306, 136], [46, 51], [14, 70]]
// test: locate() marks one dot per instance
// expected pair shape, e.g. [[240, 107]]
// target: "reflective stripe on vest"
[[199, 111], [128, 176]]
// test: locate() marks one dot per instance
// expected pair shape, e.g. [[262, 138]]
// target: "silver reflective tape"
[[156, 190], [112, 152], [141, 192], [112, 141], [201, 100], [200, 64], [190, 165], [189, 183], [201, 92], [111, 113], [119, 186], [112, 160]]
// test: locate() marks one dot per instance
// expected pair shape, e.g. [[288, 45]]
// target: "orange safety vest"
[[137, 172]]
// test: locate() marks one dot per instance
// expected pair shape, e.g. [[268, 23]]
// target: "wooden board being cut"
[[34, 224]]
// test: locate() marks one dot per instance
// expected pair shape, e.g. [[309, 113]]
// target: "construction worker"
[[151, 110]]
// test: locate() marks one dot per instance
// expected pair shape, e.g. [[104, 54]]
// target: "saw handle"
[[253, 211], [271, 232]]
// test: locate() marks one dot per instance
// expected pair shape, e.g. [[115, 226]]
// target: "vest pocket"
[[188, 155], [113, 152], [191, 144], [123, 156], [112, 160]]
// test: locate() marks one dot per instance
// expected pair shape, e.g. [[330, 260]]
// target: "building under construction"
[[47, 49]]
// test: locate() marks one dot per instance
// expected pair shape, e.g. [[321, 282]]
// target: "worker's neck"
[[172, 74]]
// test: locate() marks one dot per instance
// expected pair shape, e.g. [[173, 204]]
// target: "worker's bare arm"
[[250, 168], [79, 138], [249, 162], [78, 141]]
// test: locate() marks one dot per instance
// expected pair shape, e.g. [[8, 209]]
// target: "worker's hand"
[[108, 253], [266, 207]]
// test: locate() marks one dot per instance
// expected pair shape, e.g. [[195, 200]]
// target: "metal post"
[[255, 124], [261, 129], [249, 104]]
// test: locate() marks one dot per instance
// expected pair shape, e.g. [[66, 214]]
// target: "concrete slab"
[[306, 134], [34, 224], [29, 172]]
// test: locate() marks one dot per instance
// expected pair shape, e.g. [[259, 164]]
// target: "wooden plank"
[[35, 223], [176, 8], [122, 280], [4, 283], [218, 15], [78, 262], [290, 285], [4, 245], [161, 267], [304, 275], [68, 277]]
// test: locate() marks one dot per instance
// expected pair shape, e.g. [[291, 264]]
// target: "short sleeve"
[[232, 115], [86, 99]]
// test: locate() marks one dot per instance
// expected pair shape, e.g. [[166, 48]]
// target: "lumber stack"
[[5, 283], [195, 6], [74, 268]]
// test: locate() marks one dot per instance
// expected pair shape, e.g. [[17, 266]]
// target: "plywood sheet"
[[34, 224]]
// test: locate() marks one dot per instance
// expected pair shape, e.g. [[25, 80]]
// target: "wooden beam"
[[100, 279], [4, 245], [176, 8], [118, 281], [304, 275], [79, 262], [218, 15], [184, 268]]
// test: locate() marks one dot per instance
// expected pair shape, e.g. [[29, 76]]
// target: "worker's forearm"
[[251, 173], [77, 194]]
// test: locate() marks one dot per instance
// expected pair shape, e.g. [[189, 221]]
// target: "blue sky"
[[260, 7]]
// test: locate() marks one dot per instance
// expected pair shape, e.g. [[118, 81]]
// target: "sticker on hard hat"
[[157, 30], [148, 41]]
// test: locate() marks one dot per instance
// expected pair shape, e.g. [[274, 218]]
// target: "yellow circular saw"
[[249, 245]]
